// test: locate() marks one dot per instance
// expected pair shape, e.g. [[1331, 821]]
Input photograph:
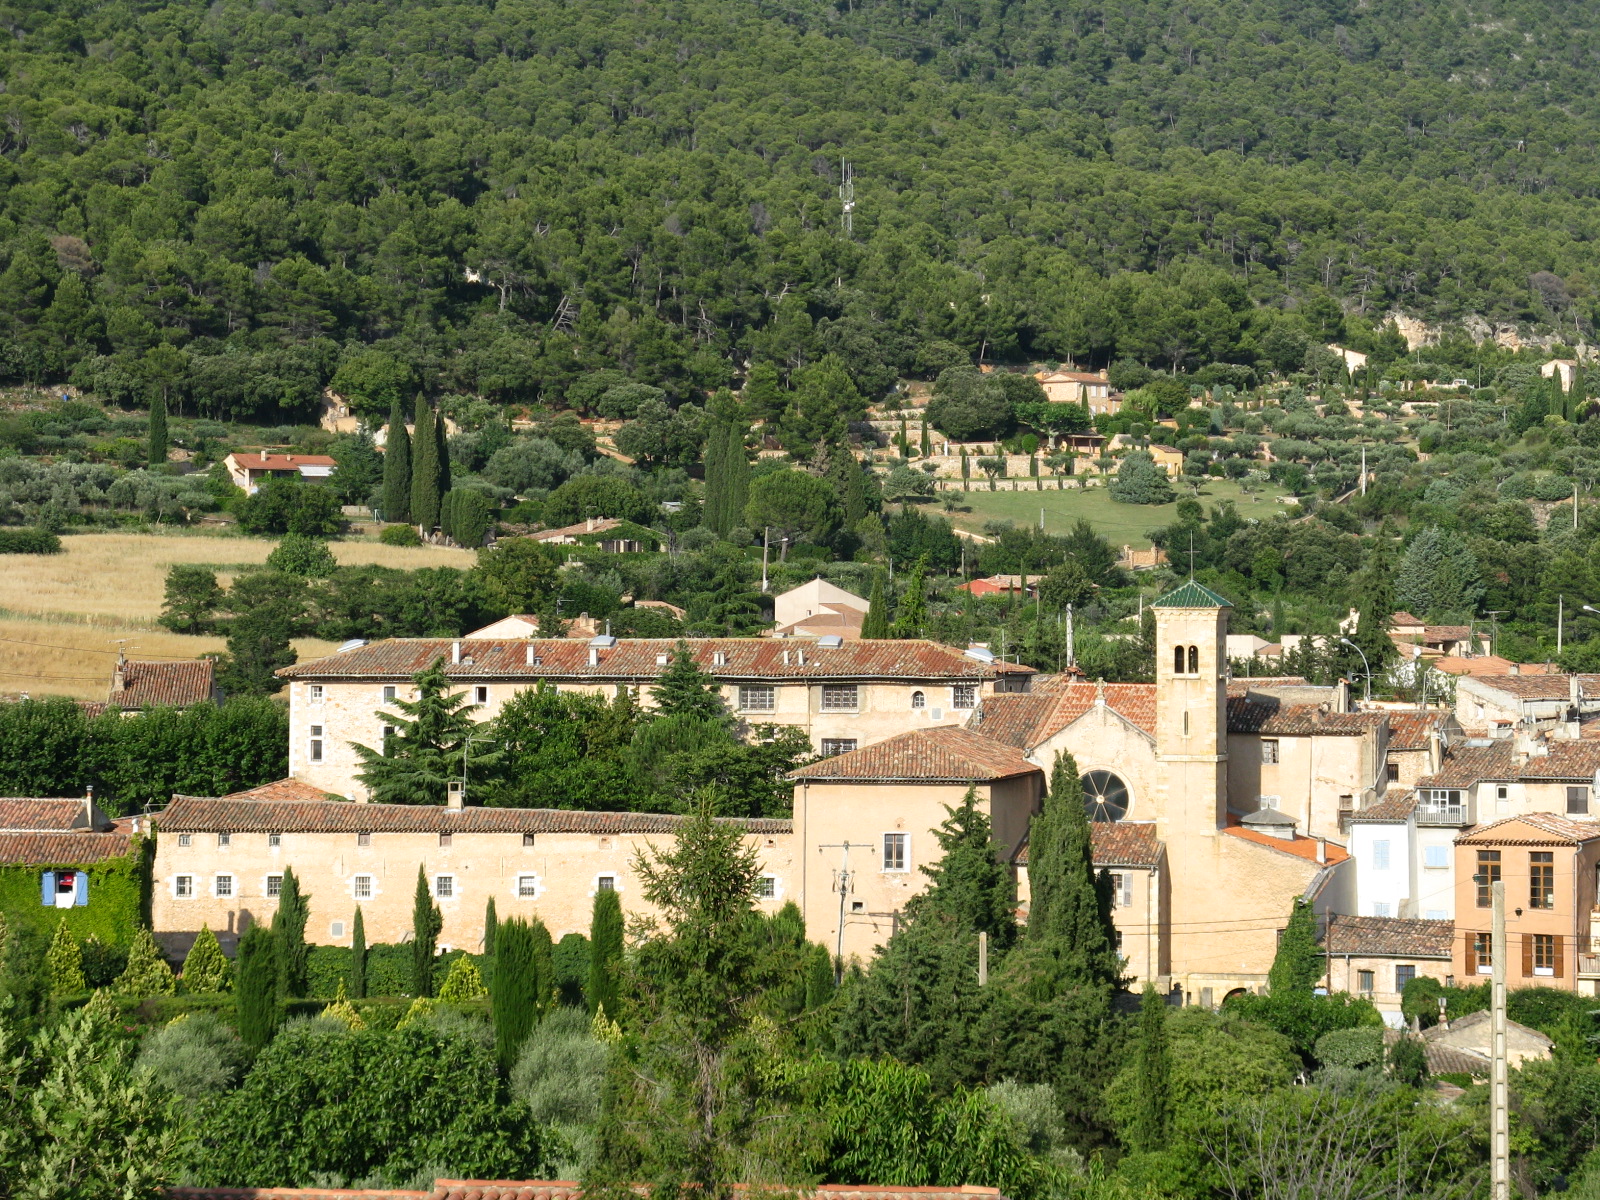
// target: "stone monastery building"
[[1216, 802]]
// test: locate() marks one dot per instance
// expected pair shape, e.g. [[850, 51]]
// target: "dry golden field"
[[62, 615]]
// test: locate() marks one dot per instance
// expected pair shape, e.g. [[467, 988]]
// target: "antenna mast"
[[847, 197]]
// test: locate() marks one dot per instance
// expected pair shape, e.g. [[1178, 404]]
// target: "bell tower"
[[1192, 709]]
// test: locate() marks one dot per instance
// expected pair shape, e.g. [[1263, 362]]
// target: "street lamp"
[[1367, 691]]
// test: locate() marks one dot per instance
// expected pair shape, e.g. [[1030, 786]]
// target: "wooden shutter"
[[1527, 954], [1472, 953], [80, 890], [1556, 949], [47, 889]]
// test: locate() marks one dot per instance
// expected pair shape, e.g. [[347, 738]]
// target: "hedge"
[[119, 896], [388, 969], [29, 541]]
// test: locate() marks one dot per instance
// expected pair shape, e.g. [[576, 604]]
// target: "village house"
[[1375, 957], [628, 539], [1417, 639], [1003, 585], [818, 608], [1501, 703], [76, 861], [183, 683], [843, 694], [1091, 389], [249, 470]]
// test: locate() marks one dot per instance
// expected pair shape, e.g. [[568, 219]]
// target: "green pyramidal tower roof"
[[1192, 595]]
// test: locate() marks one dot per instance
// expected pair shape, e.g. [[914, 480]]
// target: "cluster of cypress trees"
[[271, 966], [727, 468], [416, 467]]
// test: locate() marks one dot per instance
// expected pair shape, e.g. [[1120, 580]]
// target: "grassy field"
[[1121, 524], [62, 615]]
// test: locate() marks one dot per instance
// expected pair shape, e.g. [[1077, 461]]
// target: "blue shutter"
[[47, 889], [80, 890]]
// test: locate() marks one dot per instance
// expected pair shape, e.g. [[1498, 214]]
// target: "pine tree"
[[426, 922], [463, 983], [1151, 1119], [425, 494], [910, 620], [205, 967], [1439, 576], [491, 925], [65, 960], [522, 982], [397, 467], [1300, 961], [876, 623], [289, 936], [605, 953], [158, 443], [147, 973], [357, 986], [684, 690], [1066, 915], [257, 1011], [969, 885], [417, 763]]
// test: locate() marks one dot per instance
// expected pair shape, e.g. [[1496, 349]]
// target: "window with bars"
[[363, 839], [832, 746], [1269, 750], [183, 886], [363, 887], [964, 695], [224, 885], [1542, 879], [767, 887], [840, 697], [528, 886], [274, 885], [1488, 875], [759, 697], [274, 840], [224, 840], [1403, 974], [1391, 772], [606, 883], [186, 839], [444, 887]]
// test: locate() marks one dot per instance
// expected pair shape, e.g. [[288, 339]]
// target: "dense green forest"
[[234, 203]]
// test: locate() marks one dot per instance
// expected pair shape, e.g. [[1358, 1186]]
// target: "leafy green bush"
[[29, 541], [560, 1069], [1352, 1048], [195, 1055], [400, 535], [307, 557]]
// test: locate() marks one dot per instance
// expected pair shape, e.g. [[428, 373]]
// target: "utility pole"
[[843, 883], [1363, 469], [765, 538], [1500, 1123], [1072, 650], [983, 958], [1561, 620]]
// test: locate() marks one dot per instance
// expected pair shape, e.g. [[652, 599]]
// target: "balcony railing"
[[1442, 814], [1589, 964]]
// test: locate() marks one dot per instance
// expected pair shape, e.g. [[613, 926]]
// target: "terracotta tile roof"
[[165, 684], [1397, 805], [19, 815], [1388, 937], [1011, 717], [62, 849], [602, 525], [1133, 702], [1540, 829], [92, 708], [1409, 730], [282, 462], [490, 1189], [1464, 766], [204, 814], [847, 623], [1301, 847], [1125, 844], [1483, 664], [1404, 618], [1239, 686], [633, 659], [1566, 760], [283, 789], [1269, 715], [947, 754], [1542, 687]]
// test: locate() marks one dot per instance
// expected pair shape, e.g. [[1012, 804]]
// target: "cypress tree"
[[521, 985], [605, 953], [713, 513], [441, 453], [256, 1008], [425, 471], [727, 470], [1148, 1131], [913, 614], [1299, 961], [158, 431], [491, 924], [927, 441], [819, 977], [737, 466], [1068, 915], [289, 934], [426, 921], [969, 886], [876, 624], [397, 467], [356, 986], [205, 967]]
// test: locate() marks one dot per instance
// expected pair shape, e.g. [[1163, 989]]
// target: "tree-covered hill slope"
[[239, 195]]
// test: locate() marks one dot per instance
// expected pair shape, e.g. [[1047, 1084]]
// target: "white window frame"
[[1121, 889], [594, 884], [216, 886], [480, 694], [1443, 854], [1271, 752], [748, 692], [336, 929], [314, 693], [355, 886], [1380, 908], [454, 893], [224, 840], [776, 893], [314, 744], [919, 699], [267, 889], [905, 852], [274, 841], [837, 688], [185, 839], [963, 697], [516, 885], [840, 745], [1380, 854], [183, 887], [388, 693]]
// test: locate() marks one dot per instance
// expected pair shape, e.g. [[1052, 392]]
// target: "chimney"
[[590, 525], [530, 654], [263, 456], [1435, 751], [455, 653], [1574, 692], [594, 656], [88, 808], [119, 675], [455, 795], [1322, 850], [1514, 669]]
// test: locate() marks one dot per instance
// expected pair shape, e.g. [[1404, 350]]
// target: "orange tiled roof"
[[1464, 766], [1543, 687], [283, 462], [1268, 715], [1566, 760], [490, 1189], [62, 849], [946, 754], [1388, 937], [24, 815], [165, 684], [1548, 824], [1242, 685], [1396, 806], [1134, 702], [601, 525], [1409, 730], [1301, 847], [633, 659], [229, 814], [283, 789]]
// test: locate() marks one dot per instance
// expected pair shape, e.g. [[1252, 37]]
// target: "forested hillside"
[[238, 201]]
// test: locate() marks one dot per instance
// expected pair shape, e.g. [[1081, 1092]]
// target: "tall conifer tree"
[[1067, 913], [521, 986], [356, 985], [876, 624], [158, 431], [1153, 1066], [425, 495], [605, 953], [289, 934], [256, 1007], [441, 454], [1300, 962], [491, 926], [397, 467], [426, 922]]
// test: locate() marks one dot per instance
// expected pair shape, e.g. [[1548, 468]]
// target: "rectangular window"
[[832, 746], [1391, 772], [224, 840], [1380, 855], [1436, 857], [446, 838], [839, 697], [274, 885], [1482, 954], [444, 887], [528, 886], [388, 693], [606, 883], [1578, 801], [274, 840], [183, 886], [316, 693], [1488, 874], [1403, 975], [758, 697], [336, 929], [1542, 879], [1540, 955], [480, 695], [527, 839], [1364, 982], [1269, 750], [1121, 890], [767, 887], [1380, 908], [186, 839], [894, 851], [363, 887], [363, 839], [1502, 792], [224, 885], [315, 752], [964, 695]]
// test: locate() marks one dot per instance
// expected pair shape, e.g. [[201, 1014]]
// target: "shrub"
[[400, 535], [102, 963], [29, 541], [307, 557], [1353, 1048], [147, 973], [195, 1056], [559, 1070]]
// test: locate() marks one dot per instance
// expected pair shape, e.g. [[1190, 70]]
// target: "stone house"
[[1376, 957], [248, 471]]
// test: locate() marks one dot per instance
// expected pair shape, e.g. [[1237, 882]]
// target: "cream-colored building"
[[220, 863], [1376, 957], [843, 694]]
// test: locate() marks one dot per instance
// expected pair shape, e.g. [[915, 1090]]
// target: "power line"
[[76, 678], [51, 646]]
